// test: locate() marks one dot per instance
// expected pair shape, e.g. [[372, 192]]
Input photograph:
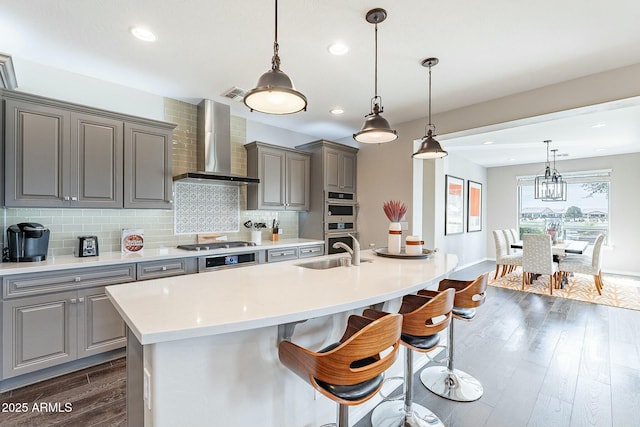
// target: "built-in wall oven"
[[340, 212]]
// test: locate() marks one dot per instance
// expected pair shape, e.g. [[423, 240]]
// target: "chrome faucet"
[[355, 252]]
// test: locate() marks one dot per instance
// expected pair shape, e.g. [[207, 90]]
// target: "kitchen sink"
[[324, 264]]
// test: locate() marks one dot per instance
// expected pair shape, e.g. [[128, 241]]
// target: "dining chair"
[[508, 262], [586, 264], [509, 239], [537, 258]]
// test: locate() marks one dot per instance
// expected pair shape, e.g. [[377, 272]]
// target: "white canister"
[[256, 237], [395, 238], [413, 245]]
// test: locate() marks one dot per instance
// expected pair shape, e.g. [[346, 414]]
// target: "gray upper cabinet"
[[38, 155], [64, 155], [284, 178], [147, 165], [336, 164], [340, 170]]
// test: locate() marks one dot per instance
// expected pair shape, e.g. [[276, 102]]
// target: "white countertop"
[[110, 258], [237, 299]]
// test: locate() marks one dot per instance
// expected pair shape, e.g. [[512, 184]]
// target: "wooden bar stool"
[[446, 381], [350, 371], [423, 317]]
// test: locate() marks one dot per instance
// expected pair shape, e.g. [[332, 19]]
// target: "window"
[[583, 216]]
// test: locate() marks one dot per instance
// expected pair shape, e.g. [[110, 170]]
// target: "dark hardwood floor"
[[543, 361], [91, 397]]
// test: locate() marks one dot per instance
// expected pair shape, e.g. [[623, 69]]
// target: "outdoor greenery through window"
[[583, 216]]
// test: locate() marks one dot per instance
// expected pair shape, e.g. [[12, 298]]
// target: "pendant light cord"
[[275, 61], [375, 79]]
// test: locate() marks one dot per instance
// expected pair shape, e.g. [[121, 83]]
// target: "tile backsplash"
[[206, 208]]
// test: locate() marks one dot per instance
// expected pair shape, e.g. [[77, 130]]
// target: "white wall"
[[54, 83], [620, 256]]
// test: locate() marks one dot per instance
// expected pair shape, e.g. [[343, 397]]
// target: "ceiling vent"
[[235, 93]]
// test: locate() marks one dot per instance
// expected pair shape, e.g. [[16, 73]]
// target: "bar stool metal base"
[[392, 414], [453, 384]]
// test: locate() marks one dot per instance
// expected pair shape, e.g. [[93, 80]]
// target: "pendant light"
[[550, 187], [429, 148], [376, 129], [275, 92]]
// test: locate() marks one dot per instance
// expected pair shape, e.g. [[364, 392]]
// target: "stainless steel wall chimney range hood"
[[214, 147]]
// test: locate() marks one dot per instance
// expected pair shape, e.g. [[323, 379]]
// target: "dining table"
[[561, 248]]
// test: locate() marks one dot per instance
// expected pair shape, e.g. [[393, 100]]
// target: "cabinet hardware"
[[73, 301], [164, 268], [67, 198], [81, 299], [77, 279], [74, 198]]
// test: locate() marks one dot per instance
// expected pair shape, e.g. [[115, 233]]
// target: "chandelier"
[[550, 187]]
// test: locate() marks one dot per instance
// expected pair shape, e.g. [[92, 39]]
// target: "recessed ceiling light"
[[336, 111], [601, 149], [487, 143], [598, 125], [338, 48], [513, 159], [143, 34]]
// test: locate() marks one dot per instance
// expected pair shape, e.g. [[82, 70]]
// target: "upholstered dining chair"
[[508, 262], [537, 258], [509, 239], [586, 264]]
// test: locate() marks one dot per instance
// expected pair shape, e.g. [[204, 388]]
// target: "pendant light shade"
[[429, 148], [275, 92], [550, 187], [376, 129]]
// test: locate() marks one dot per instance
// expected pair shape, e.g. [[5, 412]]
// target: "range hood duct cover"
[[214, 147]]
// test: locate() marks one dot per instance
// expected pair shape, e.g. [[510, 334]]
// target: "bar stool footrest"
[[454, 385], [392, 414]]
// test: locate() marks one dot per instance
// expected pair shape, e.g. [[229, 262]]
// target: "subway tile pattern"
[[206, 208]]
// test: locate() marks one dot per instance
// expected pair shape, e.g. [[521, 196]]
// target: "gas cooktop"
[[216, 245]]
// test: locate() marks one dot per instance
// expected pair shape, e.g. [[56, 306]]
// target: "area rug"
[[617, 291]]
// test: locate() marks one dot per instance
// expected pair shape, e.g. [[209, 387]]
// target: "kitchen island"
[[202, 349]]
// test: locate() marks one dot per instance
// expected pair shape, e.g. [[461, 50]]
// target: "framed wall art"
[[454, 202], [474, 206]]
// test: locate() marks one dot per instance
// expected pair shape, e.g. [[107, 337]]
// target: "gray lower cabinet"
[[50, 318], [284, 178], [43, 331], [286, 254], [166, 268]]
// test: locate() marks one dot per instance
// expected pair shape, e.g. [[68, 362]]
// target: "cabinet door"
[[331, 170], [100, 327], [348, 172], [297, 181], [272, 179], [97, 156], [38, 332], [37, 160], [147, 167]]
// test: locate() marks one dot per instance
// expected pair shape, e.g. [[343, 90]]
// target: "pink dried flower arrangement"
[[394, 210]]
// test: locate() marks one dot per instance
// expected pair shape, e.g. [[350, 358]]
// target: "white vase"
[[395, 237], [256, 237]]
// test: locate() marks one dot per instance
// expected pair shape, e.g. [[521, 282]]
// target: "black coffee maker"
[[27, 242]]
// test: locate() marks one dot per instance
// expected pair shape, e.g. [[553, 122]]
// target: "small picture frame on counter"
[[132, 240]]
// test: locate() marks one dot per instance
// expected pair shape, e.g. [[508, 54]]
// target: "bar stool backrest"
[[432, 315], [364, 338], [470, 294]]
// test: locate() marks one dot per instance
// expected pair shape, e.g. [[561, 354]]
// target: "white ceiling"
[[487, 49]]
